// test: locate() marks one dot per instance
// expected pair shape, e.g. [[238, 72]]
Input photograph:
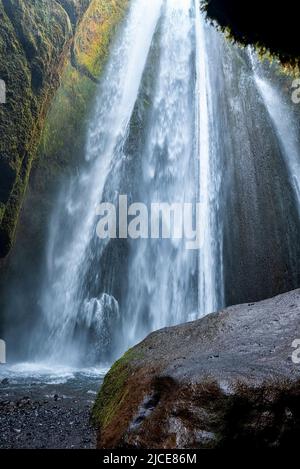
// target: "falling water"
[[100, 297], [180, 117], [66, 303], [283, 122], [163, 274]]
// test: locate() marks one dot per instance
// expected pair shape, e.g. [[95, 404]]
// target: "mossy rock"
[[55, 48], [34, 38], [63, 139], [95, 32], [113, 391]]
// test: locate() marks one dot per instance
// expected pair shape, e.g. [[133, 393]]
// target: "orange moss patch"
[[95, 33]]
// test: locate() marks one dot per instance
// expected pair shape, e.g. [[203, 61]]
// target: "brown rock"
[[225, 380]]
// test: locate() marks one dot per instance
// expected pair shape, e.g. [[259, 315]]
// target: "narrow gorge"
[[146, 103]]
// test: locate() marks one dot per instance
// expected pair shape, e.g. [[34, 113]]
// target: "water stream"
[[181, 117], [149, 139]]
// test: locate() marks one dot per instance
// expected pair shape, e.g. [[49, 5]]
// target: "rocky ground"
[[45, 424], [226, 380], [47, 415]]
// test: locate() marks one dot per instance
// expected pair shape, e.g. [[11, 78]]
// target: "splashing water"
[[100, 297]]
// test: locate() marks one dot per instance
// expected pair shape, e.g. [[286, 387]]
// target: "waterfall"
[[283, 122], [162, 275], [180, 118], [149, 139], [210, 262], [66, 305]]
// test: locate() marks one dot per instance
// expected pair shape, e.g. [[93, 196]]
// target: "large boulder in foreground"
[[225, 380]]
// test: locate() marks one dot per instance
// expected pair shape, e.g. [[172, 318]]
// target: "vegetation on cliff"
[[64, 133], [98, 26]]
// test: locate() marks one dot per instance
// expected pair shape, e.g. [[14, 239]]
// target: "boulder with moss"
[[223, 381]]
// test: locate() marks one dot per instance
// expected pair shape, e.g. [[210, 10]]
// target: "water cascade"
[[181, 117]]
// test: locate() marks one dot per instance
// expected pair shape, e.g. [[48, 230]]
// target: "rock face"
[[44, 43], [222, 381], [35, 37], [60, 148]]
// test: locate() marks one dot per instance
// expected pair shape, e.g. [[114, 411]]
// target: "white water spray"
[[101, 297], [68, 254]]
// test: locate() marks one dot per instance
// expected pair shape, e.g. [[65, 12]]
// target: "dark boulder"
[[225, 380]]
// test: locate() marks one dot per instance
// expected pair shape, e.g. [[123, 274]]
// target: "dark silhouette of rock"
[[273, 27]]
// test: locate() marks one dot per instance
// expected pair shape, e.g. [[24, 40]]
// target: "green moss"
[[12, 210], [35, 40], [34, 37], [113, 392], [63, 139], [95, 33]]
